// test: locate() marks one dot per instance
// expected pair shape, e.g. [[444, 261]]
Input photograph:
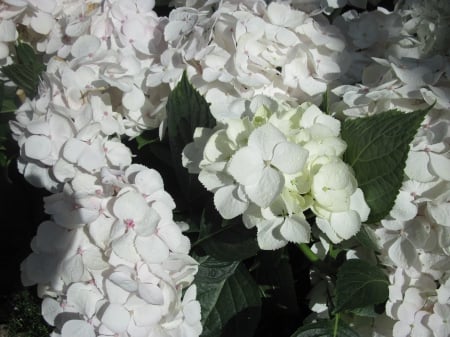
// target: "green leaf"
[[225, 291], [325, 105], [366, 238], [146, 138], [360, 284], [227, 240], [369, 311], [7, 98], [186, 110], [25, 54], [326, 329], [377, 150], [26, 69]]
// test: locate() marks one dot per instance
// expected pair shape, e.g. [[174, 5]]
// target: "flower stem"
[[310, 255], [336, 325]]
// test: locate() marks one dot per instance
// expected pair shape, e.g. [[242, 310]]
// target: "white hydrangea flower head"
[[426, 22], [248, 48], [112, 260], [276, 164]]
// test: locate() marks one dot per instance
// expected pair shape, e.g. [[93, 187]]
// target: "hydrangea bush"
[[233, 162]]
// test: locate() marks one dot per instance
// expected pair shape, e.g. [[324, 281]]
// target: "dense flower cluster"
[[273, 166], [246, 48], [112, 261]]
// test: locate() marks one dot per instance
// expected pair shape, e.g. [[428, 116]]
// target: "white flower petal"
[[124, 279], [325, 226], [264, 140], [269, 186], [73, 269], [130, 205], [295, 229], [116, 318], [417, 166], [289, 158], [228, 203], [124, 247], [77, 328], [266, 236], [402, 253], [37, 147], [42, 23], [134, 99], [50, 309], [152, 249], [85, 45], [147, 315], [358, 203], [151, 293], [345, 224], [440, 165], [246, 166]]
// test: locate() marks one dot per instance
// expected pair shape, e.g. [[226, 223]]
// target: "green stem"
[[336, 325], [310, 255]]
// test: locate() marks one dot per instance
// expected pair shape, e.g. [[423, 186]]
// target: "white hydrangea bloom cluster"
[[93, 92], [273, 166], [409, 73], [246, 48], [112, 260]]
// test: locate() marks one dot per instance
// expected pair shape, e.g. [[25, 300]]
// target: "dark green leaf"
[[366, 238], [326, 329], [25, 54], [325, 105], [369, 311], [360, 284], [23, 76], [377, 150], [145, 139], [26, 70], [7, 98], [225, 290], [186, 110], [226, 240]]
